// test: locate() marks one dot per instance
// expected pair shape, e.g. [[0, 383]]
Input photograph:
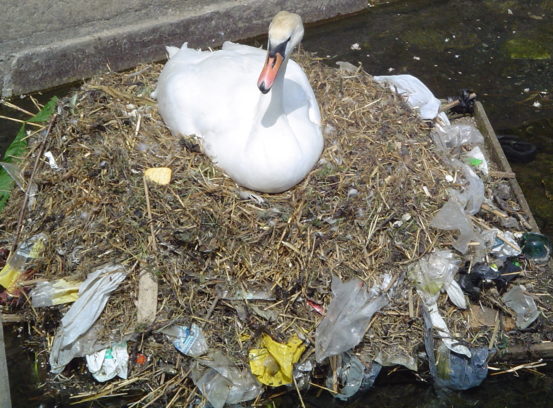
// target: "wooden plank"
[[497, 156], [5, 398]]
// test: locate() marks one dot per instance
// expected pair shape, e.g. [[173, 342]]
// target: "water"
[[449, 45]]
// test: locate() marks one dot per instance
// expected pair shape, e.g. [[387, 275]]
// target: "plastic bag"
[[353, 376], [451, 370], [476, 159], [108, 363], [454, 136], [505, 246], [452, 217], [188, 340], [435, 272], [430, 275], [54, 293], [348, 316], [273, 364], [222, 382], [93, 296], [417, 95], [523, 305]]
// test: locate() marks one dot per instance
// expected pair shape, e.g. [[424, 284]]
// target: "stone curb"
[[66, 60]]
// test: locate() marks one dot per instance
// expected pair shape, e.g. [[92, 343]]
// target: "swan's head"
[[285, 33]]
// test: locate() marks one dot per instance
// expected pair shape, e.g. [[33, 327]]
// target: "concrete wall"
[[45, 43]]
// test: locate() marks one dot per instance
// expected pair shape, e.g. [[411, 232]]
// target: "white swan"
[[266, 141]]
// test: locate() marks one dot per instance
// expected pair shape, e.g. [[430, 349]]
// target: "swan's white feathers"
[[262, 144]]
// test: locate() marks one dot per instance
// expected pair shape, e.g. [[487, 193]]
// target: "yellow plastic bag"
[[273, 363]]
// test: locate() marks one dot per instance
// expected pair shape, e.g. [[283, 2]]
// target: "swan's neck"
[[270, 107]]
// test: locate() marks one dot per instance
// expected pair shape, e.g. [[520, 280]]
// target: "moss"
[[526, 48], [434, 39]]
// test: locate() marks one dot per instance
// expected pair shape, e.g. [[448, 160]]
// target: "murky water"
[[502, 50]]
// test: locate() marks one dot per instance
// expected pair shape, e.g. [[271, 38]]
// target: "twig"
[[30, 182], [299, 393], [21, 121], [13, 106], [149, 208]]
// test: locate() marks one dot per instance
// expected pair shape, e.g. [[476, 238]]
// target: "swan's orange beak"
[[269, 72]]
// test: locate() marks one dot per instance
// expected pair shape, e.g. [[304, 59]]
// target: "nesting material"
[[239, 265]]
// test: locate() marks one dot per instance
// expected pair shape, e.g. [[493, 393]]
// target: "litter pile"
[[184, 284]]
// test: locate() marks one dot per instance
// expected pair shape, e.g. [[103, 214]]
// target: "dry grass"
[[204, 239]]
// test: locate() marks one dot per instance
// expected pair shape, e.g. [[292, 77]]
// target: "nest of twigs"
[[363, 211]]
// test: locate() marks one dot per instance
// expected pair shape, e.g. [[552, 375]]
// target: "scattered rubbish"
[[109, 363], [517, 150], [399, 358], [18, 262], [302, 373], [316, 307], [348, 316], [523, 305], [436, 272], [273, 364], [353, 376], [14, 171], [452, 217], [417, 95], [462, 104], [431, 274], [54, 293], [451, 370], [476, 159], [188, 340], [346, 66], [505, 245], [223, 383], [140, 359], [93, 295], [481, 273], [454, 136], [536, 247], [158, 175], [52, 161]]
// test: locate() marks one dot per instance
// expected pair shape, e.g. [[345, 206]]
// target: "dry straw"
[[362, 212]]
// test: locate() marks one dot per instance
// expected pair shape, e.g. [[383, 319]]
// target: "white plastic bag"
[[417, 95], [108, 363], [348, 316], [93, 296]]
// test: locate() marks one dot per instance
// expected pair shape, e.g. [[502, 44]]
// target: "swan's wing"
[[201, 92], [243, 49], [301, 94]]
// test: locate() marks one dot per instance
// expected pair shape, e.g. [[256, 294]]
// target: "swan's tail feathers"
[[171, 51]]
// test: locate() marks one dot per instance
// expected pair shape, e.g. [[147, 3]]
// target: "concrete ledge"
[[68, 54]]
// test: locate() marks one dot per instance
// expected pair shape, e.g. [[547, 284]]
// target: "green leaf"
[[6, 185], [17, 149], [46, 112]]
